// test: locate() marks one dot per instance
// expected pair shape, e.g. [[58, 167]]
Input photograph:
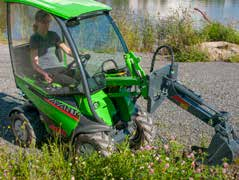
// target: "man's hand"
[[48, 78]]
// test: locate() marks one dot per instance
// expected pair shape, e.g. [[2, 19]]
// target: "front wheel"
[[22, 130], [87, 144], [145, 131]]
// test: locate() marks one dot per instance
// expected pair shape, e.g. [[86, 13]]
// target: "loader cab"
[[96, 41], [24, 38]]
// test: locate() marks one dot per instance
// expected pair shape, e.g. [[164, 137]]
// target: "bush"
[[191, 54], [180, 32], [220, 32]]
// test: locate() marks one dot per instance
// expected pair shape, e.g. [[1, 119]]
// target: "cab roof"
[[65, 9]]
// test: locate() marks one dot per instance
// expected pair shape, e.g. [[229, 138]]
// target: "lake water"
[[224, 11]]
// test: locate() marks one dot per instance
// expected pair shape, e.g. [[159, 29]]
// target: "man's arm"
[[65, 48], [35, 65]]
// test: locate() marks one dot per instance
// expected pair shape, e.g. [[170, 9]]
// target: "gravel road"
[[217, 82]]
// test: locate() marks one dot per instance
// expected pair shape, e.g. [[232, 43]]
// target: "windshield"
[[97, 37]]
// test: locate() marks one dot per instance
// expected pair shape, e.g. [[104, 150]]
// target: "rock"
[[220, 50]]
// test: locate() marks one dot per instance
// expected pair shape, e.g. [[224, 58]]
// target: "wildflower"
[[166, 147], [141, 167], [157, 158], [72, 177], [151, 171], [191, 178], [167, 158], [70, 164], [224, 171], [148, 147], [5, 173], [225, 165], [173, 138], [182, 163], [193, 164], [151, 164], [191, 156], [166, 166], [198, 170]]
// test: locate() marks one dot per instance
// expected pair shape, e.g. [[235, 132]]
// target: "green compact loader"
[[80, 81]]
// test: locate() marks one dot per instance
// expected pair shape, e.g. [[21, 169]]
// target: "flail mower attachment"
[[163, 84]]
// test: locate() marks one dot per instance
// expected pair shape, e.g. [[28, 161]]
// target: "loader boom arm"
[[163, 84]]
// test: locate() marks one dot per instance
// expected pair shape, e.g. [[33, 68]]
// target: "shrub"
[[220, 32], [191, 54]]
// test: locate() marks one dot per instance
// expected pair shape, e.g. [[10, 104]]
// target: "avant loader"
[[91, 100]]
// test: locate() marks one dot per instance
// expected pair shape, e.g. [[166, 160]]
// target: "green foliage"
[[150, 162], [220, 32], [234, 59], [130, 31], [191, 54], [180, 32], [2, 20], [148, 36]]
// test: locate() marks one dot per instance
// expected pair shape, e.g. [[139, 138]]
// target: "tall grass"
[[150, 162]]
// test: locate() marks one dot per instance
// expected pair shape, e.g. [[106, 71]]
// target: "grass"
[[150, 162]]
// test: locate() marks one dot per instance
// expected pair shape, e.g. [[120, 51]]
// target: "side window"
[[25, 37]]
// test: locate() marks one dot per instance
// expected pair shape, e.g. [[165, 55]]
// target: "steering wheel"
[[111, 69], [85, 58]]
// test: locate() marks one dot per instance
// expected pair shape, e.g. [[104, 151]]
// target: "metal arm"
[[163, 84], [193, 103]]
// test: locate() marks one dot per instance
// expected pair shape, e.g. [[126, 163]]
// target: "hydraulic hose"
[[170, 50]]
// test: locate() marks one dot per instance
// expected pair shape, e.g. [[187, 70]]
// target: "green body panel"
[[60, 119], [102, 104], [136, 70], [132, 60], [122, 81], [65, 9], [125, 105]]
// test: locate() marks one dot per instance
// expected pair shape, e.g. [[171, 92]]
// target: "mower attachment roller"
[[163, 84]]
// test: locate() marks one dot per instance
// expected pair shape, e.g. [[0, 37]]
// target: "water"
[[224, 11]]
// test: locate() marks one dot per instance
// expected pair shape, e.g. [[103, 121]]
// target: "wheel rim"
[[86, 149], [20, 129]]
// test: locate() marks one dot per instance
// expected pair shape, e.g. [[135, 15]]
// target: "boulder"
[[220, 50]]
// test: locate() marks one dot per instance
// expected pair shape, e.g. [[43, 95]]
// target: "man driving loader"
[[43, 44]]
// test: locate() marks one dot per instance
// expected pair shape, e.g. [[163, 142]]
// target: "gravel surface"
[[217, 82]]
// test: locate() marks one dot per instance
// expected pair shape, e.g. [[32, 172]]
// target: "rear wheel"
[[145, 132], [86, 144], [22, 129]]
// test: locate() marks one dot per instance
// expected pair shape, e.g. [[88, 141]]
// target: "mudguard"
[[22, 108], [87, 126]]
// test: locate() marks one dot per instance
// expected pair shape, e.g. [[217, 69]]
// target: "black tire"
[[22, 130], [86, 144], [145, 131]]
